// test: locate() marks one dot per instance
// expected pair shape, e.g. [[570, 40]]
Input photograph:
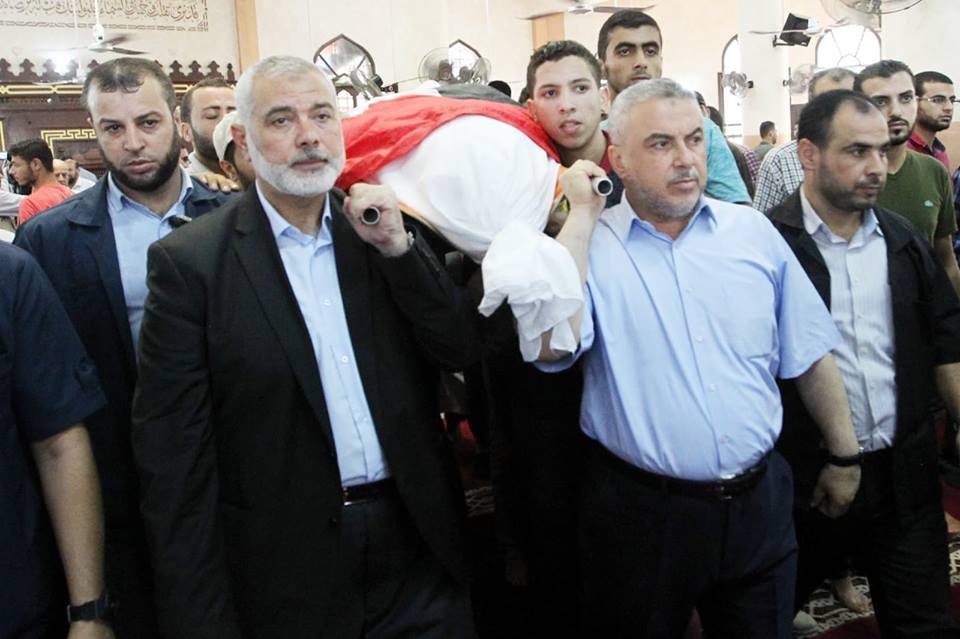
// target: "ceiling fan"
[[878, 7], [579, 7], [101, 43]]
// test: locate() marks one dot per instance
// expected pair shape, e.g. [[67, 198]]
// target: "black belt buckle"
[[350, 500], [722, 491]]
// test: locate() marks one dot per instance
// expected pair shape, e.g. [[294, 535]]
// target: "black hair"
[[30, 150], [127, 75], [766, 127], [929, 76], [186, 102], [816, 119], [558, 50], [628, 19], [500, 86], [882, 69]]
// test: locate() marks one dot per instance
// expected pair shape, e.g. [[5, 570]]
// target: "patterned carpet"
[[830, 615]]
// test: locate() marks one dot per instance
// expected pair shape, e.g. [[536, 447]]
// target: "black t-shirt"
[[47, 384]]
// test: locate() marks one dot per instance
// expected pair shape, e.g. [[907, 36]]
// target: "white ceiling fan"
[[101, 43], [579, 7]]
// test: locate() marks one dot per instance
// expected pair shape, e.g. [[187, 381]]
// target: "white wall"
[[398, 33], [216, 41]]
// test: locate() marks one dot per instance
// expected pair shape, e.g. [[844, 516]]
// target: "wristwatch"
[[847, 460], [100, 609]]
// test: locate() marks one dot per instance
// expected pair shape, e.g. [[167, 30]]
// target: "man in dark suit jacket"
[[93, 247], [900, 322], [296, 478]]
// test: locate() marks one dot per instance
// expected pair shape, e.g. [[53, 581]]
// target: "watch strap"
[[846, 460], [101, 608]]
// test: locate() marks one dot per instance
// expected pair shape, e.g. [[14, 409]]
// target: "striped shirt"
[[861, 306]]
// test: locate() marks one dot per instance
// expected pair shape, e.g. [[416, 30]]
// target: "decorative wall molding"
[[32, 80], [139, 15], [52, 136]]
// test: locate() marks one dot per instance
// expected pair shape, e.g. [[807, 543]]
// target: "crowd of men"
[[220, 411]]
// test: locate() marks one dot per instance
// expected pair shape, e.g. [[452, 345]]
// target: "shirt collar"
[[621, 217], [282, 228], [117, 199], [813, 224], [919, 143]]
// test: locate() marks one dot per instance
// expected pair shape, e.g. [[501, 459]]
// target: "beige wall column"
[[248, 43], [548, 28], [765, 65]]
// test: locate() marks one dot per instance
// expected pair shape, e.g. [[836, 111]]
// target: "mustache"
[[310, 155], [897, 121], [871, 180], [685, 174]]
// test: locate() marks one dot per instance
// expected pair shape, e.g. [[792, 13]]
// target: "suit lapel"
[[260, 259], [97, 237]]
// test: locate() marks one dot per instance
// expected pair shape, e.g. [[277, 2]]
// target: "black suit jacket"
[[75, 246], [241, 488], [926, 324]]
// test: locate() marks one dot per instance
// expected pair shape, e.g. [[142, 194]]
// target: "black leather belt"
[[362, 493], [721, 489]]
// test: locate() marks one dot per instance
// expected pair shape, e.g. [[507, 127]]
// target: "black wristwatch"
[[846, 461], [100, 609]]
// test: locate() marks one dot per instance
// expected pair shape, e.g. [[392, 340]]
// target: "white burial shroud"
[[488, 189]]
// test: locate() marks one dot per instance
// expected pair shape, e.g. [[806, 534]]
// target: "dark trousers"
[[130, 582], [904, 557], [648, 558], [389, 584]]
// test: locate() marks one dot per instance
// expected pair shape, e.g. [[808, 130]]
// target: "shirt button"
[[334, 521], [713, 387], [699, 338], [344, 359], [326, 302]]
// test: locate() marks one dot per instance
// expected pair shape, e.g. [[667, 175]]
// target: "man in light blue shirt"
[[693, 308]]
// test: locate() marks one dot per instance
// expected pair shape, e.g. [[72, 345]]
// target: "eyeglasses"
[[940, 100]]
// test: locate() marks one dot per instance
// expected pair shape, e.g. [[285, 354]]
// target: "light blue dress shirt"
[[683, 339], [312, 272], [135, 227], [862, 307]]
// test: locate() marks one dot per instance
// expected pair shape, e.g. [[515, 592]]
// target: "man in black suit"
[[900, 322], [296, 478], [93, 247]]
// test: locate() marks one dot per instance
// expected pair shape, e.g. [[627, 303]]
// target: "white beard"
[[286, 179]]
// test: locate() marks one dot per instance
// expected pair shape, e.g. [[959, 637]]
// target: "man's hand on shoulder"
[[387, 233], [217, 182]]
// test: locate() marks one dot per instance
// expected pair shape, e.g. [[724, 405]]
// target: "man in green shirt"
[[918, 187]]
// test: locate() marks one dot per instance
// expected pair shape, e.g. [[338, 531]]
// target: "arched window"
[[731, 107], [338, 59], [462, 56], [852, 47]]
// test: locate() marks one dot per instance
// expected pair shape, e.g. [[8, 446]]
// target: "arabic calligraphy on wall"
[[141, 15]]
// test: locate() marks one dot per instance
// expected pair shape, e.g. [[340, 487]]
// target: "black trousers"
[[648, 558], [389, 584], [905, 557]]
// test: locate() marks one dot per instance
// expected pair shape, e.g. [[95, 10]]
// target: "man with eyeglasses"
[[936, 97], [918, 186]]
